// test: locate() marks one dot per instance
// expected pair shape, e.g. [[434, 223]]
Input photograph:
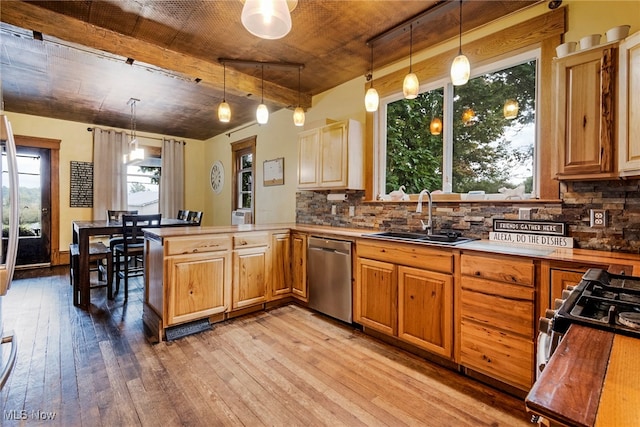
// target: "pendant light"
[[411, 85], [371, 98], [460, 68], [510, 109], [136, 154], [224, 111], [435, 127], [262, 113], [298, 113], [267, 19]]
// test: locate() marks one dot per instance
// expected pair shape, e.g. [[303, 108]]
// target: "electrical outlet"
[[524, 213], [333, 209], [352, 210], [598, 218]]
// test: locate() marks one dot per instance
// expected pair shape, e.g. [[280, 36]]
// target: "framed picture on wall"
[[273, 172]]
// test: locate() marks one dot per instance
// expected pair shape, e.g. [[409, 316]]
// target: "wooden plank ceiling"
[[68, 59]]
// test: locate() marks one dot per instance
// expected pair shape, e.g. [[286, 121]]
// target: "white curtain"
[[172, 178], [109, 172]]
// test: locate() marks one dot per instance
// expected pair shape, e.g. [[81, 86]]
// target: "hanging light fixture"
[[460, 68], [136, 154], [224, 111], [435, 127], [298, 113], [411, 85], [268, 19], [510, 109], [262, 113], [371, 98]]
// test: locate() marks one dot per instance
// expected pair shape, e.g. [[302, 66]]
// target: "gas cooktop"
[[602, 300]]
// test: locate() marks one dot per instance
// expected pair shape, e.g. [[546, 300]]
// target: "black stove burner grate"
[[598, 301]]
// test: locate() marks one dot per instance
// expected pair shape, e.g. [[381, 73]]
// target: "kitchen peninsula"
[[477, 299]]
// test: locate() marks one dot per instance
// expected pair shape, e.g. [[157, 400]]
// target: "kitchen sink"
[[448, 237]]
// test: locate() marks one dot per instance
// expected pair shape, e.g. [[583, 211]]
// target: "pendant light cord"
[[299, 71], [460, 32], [410, 46], [262, 89], [371, 64], [224, 82]]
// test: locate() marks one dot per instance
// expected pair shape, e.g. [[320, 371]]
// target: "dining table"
[[84, 230]]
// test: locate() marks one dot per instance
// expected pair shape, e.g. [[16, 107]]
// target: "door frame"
[[54, 146]]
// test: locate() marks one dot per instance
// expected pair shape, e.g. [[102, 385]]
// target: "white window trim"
[[380, 122]]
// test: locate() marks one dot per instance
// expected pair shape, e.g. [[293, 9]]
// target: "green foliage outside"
[[483, 157]]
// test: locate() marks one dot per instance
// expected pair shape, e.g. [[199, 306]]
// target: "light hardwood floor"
[[285, 367]]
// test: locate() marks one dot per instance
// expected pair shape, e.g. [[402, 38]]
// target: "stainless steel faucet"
[[429, 224]]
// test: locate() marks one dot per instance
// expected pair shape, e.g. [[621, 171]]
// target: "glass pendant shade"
[[435, 127], [510, 109], [136, 154], [262, 114], [460, 70], [267, 19], [371, 100], [224, 112], [298, 116], [410, 86]]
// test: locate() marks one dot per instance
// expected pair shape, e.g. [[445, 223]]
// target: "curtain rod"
[[90, 129], [239, 129]]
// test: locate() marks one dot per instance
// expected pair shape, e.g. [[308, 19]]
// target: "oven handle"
[[9, 338], [543, 352]]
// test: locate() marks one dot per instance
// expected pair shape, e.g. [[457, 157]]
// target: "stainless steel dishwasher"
[[329, 275]]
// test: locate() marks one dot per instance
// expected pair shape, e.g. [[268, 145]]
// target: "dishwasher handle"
[[330, 245]]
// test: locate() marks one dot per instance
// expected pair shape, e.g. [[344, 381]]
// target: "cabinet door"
[[425, 309], [584, 118], [281, 268], [308, 152], [333, 156], [299, 266], [560, 279], [197, 286], [250, 276], [629, 107], [376, 295]]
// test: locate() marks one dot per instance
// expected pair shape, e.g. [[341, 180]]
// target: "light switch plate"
[[598, 218]]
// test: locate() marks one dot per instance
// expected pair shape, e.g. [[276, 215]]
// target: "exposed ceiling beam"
[[25, 15]]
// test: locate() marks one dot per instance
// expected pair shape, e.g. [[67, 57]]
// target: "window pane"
[[414, 154], [245, 181], [246, 200], [246, 161], [489, 150], [143, 183]]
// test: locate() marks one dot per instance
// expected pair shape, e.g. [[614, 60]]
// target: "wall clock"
[[217, 176]]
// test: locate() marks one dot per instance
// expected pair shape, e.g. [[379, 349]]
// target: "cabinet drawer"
[[507, 307], [496, 354], [250, 240], [412, 255], [503, 269], [187, 245]]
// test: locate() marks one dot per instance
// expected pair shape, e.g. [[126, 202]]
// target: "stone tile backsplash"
[[621, 199]]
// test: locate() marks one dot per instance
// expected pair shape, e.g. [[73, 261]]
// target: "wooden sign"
[[548, 228]]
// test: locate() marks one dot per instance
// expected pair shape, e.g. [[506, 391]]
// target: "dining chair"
[[98, 252], [114, 239], [132, 247], [195, 217], [183, 214]]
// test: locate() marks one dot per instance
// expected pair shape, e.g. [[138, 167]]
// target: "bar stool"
[[98, 251]]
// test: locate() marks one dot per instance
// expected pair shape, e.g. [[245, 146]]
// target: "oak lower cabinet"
[[251, 263], [498, 317], [281, 266], [406, 291], [299, 266]]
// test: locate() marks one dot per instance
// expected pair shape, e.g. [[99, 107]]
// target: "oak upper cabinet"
[[497, 317], [629, 107], [406, 290], [197, 278], [281, 266], [585, 121], [331, 157], [251, 268], [299, 265]]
